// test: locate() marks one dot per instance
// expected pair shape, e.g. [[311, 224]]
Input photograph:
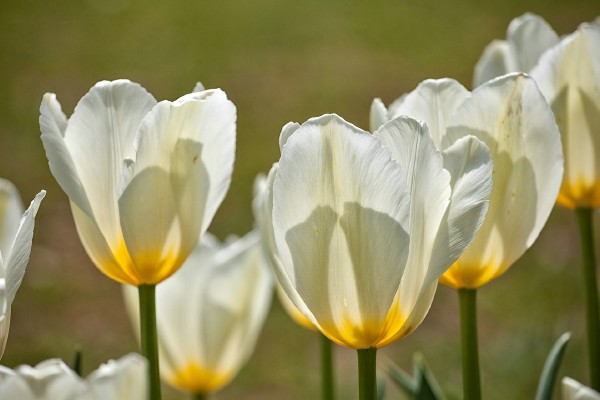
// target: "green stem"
[[585, 217], [199, 396], [468, 339], [367, 374], [149, 337], [326, 368]]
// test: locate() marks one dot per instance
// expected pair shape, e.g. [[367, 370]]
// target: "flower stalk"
[[149, 337], [588, 255], [327, 386], [367, 373], [469, 347], [199, 396]]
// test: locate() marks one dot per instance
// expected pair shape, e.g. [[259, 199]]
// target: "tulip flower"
[[568, 75], [365, 224], [573, 390], [144, 180], [124, 379], [527, 37], [511, 116], [16, 233], [118, 148], [226, 290]]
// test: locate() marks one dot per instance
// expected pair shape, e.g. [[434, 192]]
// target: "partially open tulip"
[[569, 77], [527, 37], [144, 178], [365, 224], [210, 313], [16, 233], [123, 379], [573, 390], [510, 115]]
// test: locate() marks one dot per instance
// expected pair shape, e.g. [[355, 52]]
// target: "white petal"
[[199, 87], [569, 77], [528, 37], [123, 379], [378, 115], [469, 162], [17, 258], [186, 148], [429, 187], [573, 390], [340, 206], [286, 132], [99, 137], [510, 116], [495, 61], [49, 380], [53, 124], [433, 102], [11, 210], [4, 320]]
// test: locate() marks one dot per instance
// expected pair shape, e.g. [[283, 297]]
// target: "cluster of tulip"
[[357, 227]]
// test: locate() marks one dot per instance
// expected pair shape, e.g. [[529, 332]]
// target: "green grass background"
[[279, 61]]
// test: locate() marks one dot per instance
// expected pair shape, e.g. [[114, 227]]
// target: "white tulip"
[[16, 233], [573, 390], [210, 313], [365, 224], [144, 178]]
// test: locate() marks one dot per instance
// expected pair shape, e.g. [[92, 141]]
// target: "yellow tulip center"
[[579, 193], [195, 379]]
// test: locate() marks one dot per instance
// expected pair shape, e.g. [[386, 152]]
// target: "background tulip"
[[527, 37], [123, 379], [569, 77], [210, 313], [510, 115], [16, 233]]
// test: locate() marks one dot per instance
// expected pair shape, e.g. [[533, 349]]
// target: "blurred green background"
[[278, 60]]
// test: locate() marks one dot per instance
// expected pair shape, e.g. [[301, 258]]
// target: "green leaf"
[[423, 386], [427, 386], [548, 377], [381, 389]]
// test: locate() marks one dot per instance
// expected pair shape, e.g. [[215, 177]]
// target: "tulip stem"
[[468, 338], [585, 217], [149, 338], [367, 374], [199, 396], [326, 368]]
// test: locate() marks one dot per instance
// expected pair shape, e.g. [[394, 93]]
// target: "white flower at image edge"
[[123, 379], [16, 233]]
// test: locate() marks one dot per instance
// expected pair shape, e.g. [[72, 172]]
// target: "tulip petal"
[[11, 210], [340, 207], [286, 132], [18, 257], [573, 390], [272, 253], [378, 115], [569, 77], [433, 102], [99, 137], [4, 319], [510, 116], [53, 124], [495, 61], [186, 148], [528, 37], [429, 187], [116, 265], [125, 378]]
